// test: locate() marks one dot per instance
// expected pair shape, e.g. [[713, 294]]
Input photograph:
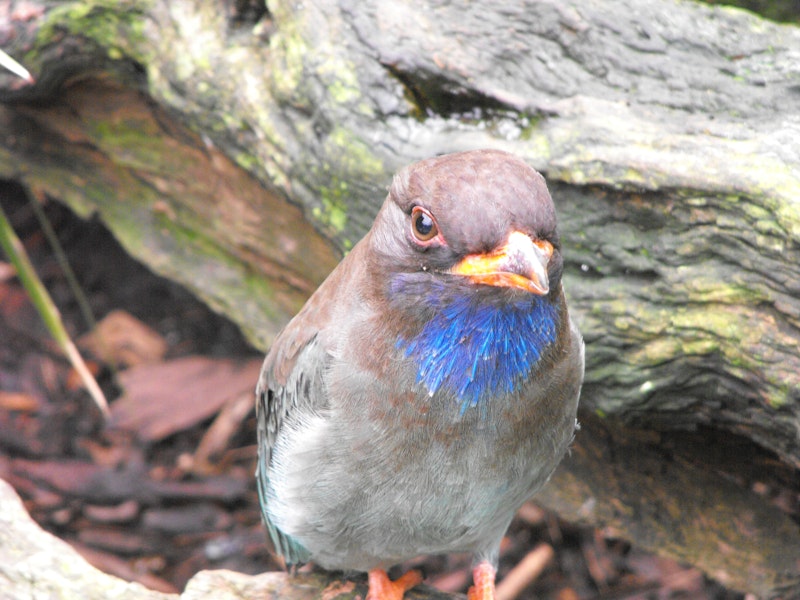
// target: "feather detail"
[[292, 551], [478, 350]]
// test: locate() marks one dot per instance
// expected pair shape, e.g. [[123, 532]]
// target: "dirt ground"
[[166, 489]]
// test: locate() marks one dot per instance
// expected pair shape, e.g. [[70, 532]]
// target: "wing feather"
[[290, 388]]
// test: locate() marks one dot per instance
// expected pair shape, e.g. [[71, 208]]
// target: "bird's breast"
[[479, 351]]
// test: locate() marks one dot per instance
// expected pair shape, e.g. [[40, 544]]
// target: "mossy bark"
[[243, 157]]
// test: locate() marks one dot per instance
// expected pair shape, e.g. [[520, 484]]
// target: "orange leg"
[[382, 588], [483, 582]]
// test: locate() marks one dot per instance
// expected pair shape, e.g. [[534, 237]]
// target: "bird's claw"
[[383, 588], [483, 582]]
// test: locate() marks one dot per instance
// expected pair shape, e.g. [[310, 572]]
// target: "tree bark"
[[243, 154], [35, 564]]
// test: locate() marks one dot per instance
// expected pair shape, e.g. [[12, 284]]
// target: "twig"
[[16, 68], [525, 572], [222, 429]]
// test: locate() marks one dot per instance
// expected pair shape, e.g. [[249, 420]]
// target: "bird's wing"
[[276, 399], [290, 387]]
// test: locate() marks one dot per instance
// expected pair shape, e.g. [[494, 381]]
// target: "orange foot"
[[382, 588], [483, 582]]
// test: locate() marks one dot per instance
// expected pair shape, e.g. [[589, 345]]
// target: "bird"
[[429, 386]]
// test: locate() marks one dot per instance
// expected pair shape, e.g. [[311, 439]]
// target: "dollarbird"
[[430, 385]]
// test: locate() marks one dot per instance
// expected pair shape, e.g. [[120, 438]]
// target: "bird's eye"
[[423, 224]]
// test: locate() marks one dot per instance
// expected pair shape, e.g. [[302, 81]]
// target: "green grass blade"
[[47, 309]]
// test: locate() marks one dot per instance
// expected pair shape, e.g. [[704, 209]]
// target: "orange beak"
[[519, 263]]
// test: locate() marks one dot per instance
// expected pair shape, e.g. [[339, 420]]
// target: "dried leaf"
[[123, 340], [165, 398]]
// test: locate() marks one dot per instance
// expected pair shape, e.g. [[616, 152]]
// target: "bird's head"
[[467, 266], [481, 218]]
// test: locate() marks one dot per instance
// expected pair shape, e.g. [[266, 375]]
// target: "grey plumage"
[[361, 463]]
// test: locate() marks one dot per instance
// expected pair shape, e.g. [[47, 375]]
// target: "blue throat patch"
[[478, 350]]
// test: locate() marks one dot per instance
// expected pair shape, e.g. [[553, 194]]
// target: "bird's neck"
[[477, 350]]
